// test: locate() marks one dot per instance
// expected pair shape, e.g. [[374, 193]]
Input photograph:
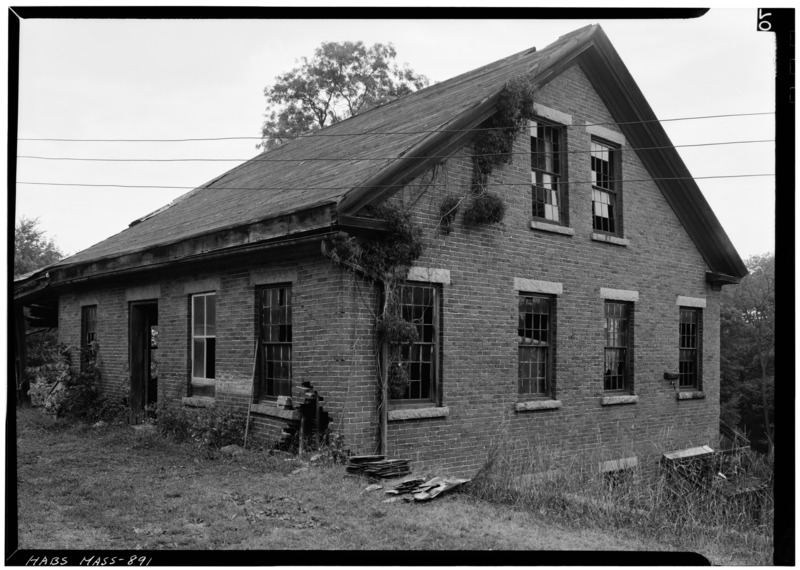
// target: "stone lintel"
[[605, 133], [698, 302], [535, 286], [619, 294], [429, 275]]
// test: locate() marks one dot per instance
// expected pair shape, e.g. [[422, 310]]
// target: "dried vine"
[[384, 262], [494, 145]]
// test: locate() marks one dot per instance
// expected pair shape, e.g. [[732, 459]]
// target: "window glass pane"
[[211, 354], [211, 315], [198, 358], [198, 315]]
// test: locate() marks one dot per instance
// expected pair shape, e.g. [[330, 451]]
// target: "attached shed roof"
[[360, 160]]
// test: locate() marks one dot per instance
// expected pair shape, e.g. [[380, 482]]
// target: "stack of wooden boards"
[[419, 489], [378, 466]]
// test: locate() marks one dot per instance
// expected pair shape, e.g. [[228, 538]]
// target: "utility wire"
[[321, 134], [354, 159], [284, 188]]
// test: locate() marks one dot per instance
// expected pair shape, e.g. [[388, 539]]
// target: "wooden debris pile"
[[378, 466], [418, 489]]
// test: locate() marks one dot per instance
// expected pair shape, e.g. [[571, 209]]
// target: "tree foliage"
[[747, 350], [32, 248], [340, 81]]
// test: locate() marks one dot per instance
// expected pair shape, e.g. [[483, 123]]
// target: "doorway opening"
[[143, 359]]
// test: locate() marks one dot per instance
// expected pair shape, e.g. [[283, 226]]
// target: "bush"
[[485, 209], [206, 427], [70, 393]]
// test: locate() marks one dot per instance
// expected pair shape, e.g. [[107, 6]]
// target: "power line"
[[285, 188], [322, 134], [353, 159]]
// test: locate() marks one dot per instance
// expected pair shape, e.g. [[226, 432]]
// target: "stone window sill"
[[552, 228], [616, 400], [691, 395], [537, 405], [198, 402], [610, 239], [274, 411], [418, 413]]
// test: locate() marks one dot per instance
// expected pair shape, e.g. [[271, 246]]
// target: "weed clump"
[[67, 391], [205, 427], [487, 208], [649, 503]]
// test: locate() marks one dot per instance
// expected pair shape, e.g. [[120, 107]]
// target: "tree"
[[32, 249], [747, 339], [340, 81]]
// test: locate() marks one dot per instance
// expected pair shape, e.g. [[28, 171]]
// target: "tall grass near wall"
[[650, 500]]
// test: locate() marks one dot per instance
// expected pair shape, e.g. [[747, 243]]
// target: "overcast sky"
[[129, 79]]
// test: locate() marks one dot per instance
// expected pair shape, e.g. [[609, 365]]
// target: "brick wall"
[[333, 324]]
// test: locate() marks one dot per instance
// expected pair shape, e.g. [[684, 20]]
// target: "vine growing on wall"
[[493, 146], [385, 262]]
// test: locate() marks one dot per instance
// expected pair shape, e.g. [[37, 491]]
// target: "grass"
[[110, 488], [645, 503]]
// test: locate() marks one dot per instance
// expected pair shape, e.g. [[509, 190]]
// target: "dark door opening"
[[143, 346]]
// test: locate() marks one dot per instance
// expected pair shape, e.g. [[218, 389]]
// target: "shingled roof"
[[358, 161]]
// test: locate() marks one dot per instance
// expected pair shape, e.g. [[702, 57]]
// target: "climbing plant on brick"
[[384, 261], [493, 145]]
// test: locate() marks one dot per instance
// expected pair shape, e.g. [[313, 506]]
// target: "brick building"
[[587, 319]]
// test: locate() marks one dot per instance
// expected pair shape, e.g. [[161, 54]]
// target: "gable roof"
[[346, 166]]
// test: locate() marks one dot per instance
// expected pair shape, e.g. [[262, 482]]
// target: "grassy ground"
[[113, 489]]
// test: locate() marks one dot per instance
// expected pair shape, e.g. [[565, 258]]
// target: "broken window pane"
[[603, 161], [545, 170]]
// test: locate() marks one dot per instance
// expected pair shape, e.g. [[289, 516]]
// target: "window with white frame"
[[204, 336]]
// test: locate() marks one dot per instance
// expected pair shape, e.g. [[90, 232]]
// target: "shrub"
[[485, 209], [206, 427], [70, 393]]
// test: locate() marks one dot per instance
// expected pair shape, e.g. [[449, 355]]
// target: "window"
[[535, 341], [419, 304], [605, 199], [204, 335], [88, 333], [617, 373], [546, 169], [689, 348], [276, 341]]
